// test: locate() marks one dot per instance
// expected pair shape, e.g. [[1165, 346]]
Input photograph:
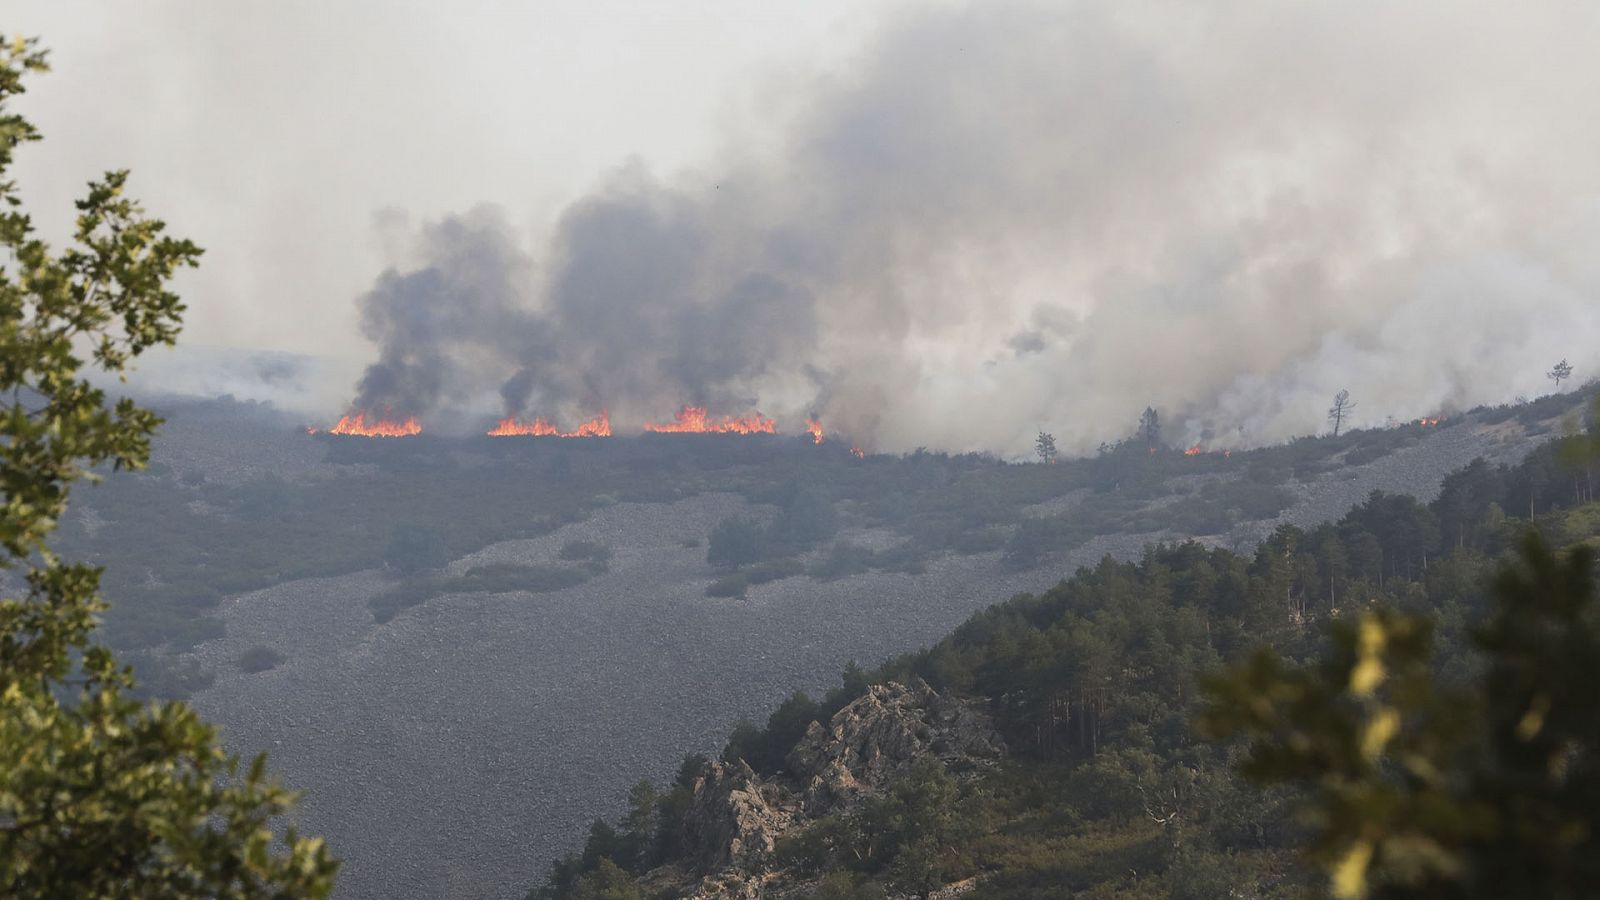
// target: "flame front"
[[510, 427], [693, 420], [815, 427], [1433, 421], [599, 426], [858, 453], [1193, 451], [378, 427]]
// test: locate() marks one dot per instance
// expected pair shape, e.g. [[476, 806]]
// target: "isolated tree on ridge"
[[1561, 372], [1341, 407], [1150, 428], [1045, 447]]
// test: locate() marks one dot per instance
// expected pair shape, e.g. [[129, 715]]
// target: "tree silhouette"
[[1341, 407], [1045, 447], [1559, 373], [1150, 428]]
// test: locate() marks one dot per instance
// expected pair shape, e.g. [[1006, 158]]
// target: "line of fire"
[[689, 420]]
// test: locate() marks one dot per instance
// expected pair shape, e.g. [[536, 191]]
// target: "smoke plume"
[[1006, 217]]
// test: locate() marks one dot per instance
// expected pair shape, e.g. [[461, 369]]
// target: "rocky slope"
[[736, 818]]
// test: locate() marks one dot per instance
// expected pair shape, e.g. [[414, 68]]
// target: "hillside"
[[464, 650], [1104, 790]]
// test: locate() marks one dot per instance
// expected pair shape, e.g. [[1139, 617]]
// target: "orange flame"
[[1433, 421], [858, 453], [693, 420], [599, 426], [815, 427], [1192, 451], [378, 427]]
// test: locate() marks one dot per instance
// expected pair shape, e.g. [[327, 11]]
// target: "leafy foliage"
[[100, 796], [1418, 790]]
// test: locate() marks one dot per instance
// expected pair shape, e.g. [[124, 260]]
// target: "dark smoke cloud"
[[632, 315], [1006, 216], [439, 328]]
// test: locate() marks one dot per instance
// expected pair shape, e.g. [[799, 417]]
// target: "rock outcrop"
[[736, 817], [878, 736]]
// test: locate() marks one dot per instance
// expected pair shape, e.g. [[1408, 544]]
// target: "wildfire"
[[1193, 451], [858, 453], [693, 420], [1427, 421], [359, 426], [599, 426], [815, 427]]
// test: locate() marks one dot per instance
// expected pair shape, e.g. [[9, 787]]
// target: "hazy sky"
[[940, 223], [274, 132]]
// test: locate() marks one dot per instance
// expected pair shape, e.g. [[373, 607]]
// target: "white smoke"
[[1006, 217]]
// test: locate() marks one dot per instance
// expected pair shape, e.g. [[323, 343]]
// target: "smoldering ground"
[[1006, 217]]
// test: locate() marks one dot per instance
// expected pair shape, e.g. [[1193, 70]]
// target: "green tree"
[[100, 796], [607, 882], [1415, 790], [640, 825]]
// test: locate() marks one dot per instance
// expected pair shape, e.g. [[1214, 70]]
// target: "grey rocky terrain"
[[455, 750]]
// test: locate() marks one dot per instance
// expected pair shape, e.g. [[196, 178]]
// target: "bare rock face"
[[877, 738], [735, 817]]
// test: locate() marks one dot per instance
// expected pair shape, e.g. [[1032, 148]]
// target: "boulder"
[[735, 817], [877, 738]]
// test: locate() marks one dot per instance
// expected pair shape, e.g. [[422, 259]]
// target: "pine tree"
[[1045, 447], [1418, 790]]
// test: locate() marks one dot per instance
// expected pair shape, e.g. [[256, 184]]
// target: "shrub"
[[736, 542], [259, 658]]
